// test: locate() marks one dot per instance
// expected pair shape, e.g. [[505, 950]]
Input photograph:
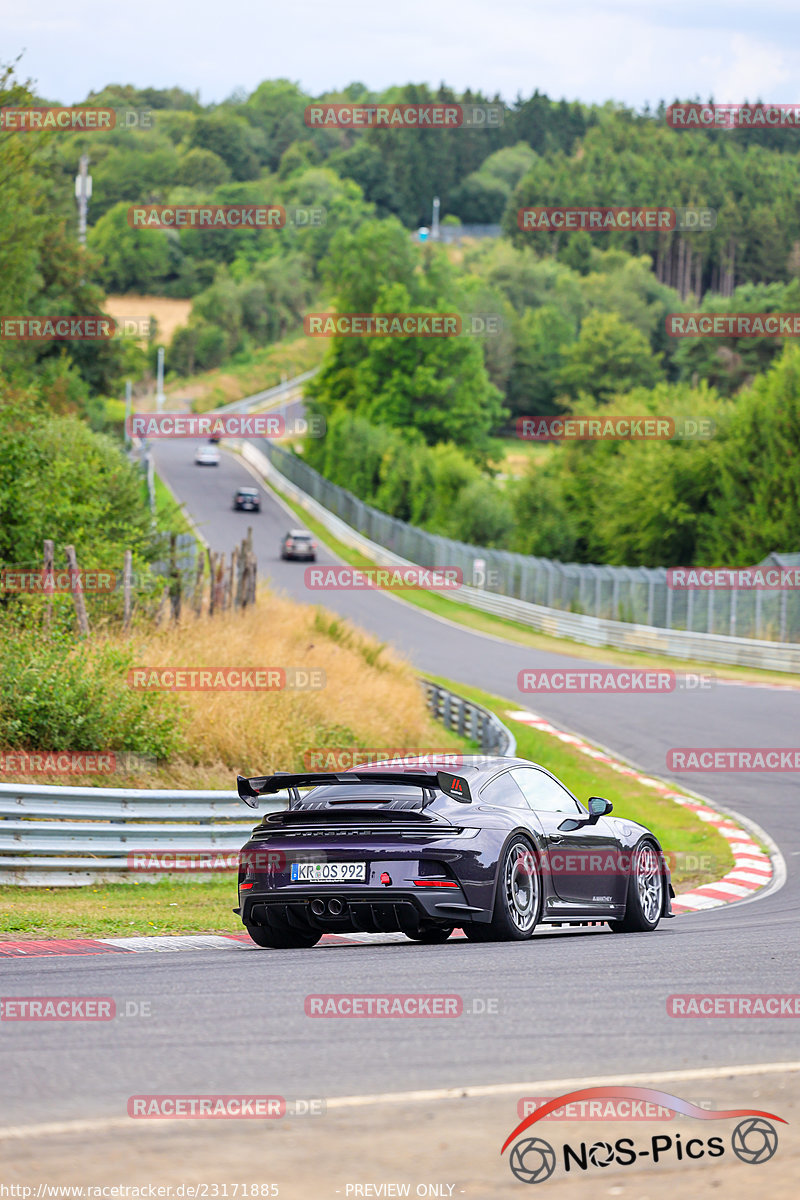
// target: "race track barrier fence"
[[629, 608]]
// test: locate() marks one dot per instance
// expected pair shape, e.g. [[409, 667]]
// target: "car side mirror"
[[598, 807]]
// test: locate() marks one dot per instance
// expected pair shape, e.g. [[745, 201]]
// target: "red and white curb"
[[752, 868], [82, 947]]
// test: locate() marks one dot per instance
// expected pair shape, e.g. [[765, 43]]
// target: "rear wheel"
[[431, 934], [518, 899], [477, 933], [645, 900], [282, 938]]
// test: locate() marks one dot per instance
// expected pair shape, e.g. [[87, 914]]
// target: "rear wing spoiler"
[[250, 789]]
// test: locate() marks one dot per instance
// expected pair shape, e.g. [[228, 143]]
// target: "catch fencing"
[[632, 595]]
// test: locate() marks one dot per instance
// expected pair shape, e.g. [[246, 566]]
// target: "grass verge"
[[252, 372], [121, 909], [203, 905], [702, 854]]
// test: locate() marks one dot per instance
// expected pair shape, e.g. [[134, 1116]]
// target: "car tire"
[[644, 903], [517, 906], [282, 938], [431, 935], [477, 933]]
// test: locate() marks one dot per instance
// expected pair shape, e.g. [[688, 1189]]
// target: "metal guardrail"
[[58, 836], [274, 393], [470, 720], [285, 470], [69, 836]]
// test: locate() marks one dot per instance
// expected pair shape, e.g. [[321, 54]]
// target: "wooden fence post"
[[126, 587], [176, 584], [77, 591], [229, 591], [212, 578], [49, 567], [197, 598]]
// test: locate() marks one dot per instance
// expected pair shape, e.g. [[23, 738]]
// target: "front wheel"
[[282, 939], [645, 900], [518, 899]]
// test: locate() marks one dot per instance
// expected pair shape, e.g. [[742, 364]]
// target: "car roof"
[[298, 533], [247, 490]]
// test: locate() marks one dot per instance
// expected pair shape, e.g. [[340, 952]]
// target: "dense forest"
[[414, 423]]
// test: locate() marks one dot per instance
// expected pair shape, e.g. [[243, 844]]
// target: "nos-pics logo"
[[533, 1160]]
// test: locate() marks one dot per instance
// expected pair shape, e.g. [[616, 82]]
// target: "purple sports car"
[[496, 849]]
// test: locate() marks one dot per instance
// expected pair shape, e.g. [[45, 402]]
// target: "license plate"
[[331, 872]]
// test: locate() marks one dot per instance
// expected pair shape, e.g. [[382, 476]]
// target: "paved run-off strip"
[[752, 868]]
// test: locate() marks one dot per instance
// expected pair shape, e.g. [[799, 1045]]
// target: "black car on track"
[[496, 848], [247, 499]]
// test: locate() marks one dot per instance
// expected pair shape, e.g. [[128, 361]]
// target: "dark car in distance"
[[495, 849], [247, 499], [299, 543]]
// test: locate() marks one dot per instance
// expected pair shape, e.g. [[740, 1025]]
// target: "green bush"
[[59, 694]]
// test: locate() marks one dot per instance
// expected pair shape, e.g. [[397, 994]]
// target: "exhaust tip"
[[318, 907], [335, 907]]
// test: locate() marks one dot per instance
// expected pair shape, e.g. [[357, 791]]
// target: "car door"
[[585, 863]]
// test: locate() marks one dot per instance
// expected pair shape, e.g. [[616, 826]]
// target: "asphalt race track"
[[568, 1004]]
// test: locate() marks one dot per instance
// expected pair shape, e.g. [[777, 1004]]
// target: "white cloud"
[[628, 50]]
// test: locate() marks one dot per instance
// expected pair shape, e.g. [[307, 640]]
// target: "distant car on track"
[[495, 849], [299, 543], [207, 456], [247, 499]]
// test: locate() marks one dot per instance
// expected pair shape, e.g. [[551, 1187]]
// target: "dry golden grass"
[[371, 698], [169, 313], [265, 367]]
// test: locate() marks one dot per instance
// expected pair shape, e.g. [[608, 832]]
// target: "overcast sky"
[[591, 50]]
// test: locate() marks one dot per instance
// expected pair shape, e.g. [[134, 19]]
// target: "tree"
[[541, 338], [132, 260], [609, 356]]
